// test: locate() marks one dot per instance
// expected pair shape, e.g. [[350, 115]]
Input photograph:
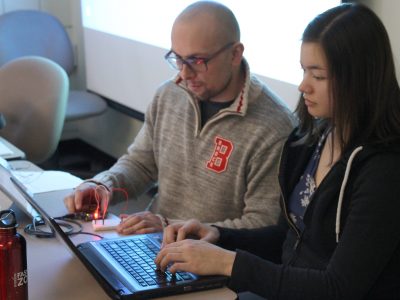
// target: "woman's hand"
[[190, 229], [195, 256]]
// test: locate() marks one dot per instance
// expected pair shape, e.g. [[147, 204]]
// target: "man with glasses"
[[212, 136]]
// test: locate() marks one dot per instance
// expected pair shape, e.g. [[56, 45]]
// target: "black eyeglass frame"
[[193, 61]]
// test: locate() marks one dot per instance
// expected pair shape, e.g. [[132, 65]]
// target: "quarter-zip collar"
[[238, 107]]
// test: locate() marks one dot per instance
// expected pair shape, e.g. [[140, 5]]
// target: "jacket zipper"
[[291, 224]]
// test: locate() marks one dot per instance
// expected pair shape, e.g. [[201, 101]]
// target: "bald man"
[[211, 139]]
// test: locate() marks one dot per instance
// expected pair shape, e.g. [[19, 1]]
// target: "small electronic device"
[[87, 216], [106, 224], [91, 210]]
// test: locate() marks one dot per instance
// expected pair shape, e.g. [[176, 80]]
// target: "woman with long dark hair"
[[339, 234]]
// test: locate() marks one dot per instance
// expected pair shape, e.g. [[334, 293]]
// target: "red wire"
[[105, 202]]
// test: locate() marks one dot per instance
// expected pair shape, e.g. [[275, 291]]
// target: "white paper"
[[4, 150], [46, 181]]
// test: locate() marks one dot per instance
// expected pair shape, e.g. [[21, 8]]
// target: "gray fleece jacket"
[[224, 173]]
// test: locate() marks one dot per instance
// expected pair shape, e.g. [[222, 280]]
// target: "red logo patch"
[[219, 159]]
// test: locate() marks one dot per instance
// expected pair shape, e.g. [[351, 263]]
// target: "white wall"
[[113, 131], [388, 11]]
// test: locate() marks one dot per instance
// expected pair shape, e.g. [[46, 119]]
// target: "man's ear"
[[237, 49]]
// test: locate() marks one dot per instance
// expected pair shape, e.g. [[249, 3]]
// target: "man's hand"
[[192, 229], [141, 222], [86, 197]]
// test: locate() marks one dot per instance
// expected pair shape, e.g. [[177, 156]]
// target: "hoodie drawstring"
[[342, 188]]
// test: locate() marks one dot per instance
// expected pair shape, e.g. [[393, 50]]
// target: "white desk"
[[55, 273]]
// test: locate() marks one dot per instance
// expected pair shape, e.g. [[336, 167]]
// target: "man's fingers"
[[78, 197], [140, 223], [126, 226], [147, 230], [69, 203], [73, 202]]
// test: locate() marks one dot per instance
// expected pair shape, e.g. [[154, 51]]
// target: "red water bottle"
[[13, 270]]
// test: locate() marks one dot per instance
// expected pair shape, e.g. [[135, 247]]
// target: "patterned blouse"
[[305, 188]]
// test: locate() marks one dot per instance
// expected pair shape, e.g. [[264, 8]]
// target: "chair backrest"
[[33, 32], [37, 33], [33, 99]]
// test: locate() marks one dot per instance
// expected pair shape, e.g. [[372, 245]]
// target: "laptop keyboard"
[[137, 256]]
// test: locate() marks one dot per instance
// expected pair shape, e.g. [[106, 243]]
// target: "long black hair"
[[364, 91]]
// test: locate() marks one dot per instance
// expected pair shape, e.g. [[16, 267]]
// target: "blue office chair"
[[33, 100], [32, 32]]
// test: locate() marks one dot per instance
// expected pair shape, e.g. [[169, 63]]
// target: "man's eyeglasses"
[[196, 64]]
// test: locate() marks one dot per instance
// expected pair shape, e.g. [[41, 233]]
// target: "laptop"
[[124, 266], [8, 189]]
